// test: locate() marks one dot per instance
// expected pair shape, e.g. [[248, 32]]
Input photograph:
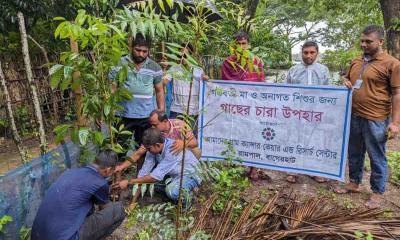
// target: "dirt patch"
[[9, 155]]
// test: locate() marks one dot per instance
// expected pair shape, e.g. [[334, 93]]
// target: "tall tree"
[[252, 7], [29, 75], [391, 16]]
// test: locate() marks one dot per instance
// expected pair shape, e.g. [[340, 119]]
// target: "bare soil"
[[305, 187], [261, 190]]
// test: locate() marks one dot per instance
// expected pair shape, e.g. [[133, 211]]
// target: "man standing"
[[309, 72], [184, 87], [66, 212], [375, 80], [231, 69], [143, 79], [161, 162]]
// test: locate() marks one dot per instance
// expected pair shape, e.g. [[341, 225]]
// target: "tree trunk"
[[78, 91], [29, 75], [252, 7], [54, 97], [10, 114], [391, 11]]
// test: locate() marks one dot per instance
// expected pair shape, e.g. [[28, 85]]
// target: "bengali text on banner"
[[291, 128]]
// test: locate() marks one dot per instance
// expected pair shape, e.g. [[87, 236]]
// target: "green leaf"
[[161, 4], [98, 136], [170, 3], [75, 135], [55, 72], [65, 83], [60, 27], [172, 56], [143, 189], [83, 135], [107, 109], [68, 72], [81, 17], [133, 28], [61, 132], [118, 148], [135, 188], [151, 190], [125, 132], [59, 19]]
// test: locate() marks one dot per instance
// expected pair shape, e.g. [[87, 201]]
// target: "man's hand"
[[347, 82], [177, 147], [122, 166], [141, 150], [393, 130], [205, 77], [122, 184]]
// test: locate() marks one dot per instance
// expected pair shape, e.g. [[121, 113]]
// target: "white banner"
[[291, 128]]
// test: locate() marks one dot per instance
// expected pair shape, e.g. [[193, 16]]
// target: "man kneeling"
[[66, 212], [160, 162]]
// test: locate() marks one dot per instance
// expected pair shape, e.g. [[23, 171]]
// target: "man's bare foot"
[[375, 201], [291, 179], [253, 174], [319, 179], [348, 188]]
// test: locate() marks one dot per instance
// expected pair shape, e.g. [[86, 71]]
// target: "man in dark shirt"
[[66, 211]]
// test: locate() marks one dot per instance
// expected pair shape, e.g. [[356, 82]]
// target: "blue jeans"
[[171, 190], [368, 136]]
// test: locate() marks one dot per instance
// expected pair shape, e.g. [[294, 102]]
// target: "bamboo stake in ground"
[[29, 75], [16, 137]]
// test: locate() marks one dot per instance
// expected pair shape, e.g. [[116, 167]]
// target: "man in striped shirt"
[[144, 78]]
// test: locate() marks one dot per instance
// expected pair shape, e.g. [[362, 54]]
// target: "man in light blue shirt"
[[161, 162], [309, 72]]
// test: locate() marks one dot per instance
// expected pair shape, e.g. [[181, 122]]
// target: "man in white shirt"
[[309, 72]]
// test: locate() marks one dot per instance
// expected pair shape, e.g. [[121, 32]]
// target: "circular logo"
[[268, 134]]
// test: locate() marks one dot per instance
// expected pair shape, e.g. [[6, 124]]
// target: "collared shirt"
[[181, 89], [141, 84], [67, 203], [314, 74], [382, 74], [166, 163], [177, 130]]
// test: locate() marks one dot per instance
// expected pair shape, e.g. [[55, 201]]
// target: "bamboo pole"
[[29, 75], [17, 139]]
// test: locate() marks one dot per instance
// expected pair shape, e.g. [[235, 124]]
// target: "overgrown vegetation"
[[393, 158]]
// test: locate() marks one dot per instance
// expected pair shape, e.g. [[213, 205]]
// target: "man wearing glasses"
[[161, 162]]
